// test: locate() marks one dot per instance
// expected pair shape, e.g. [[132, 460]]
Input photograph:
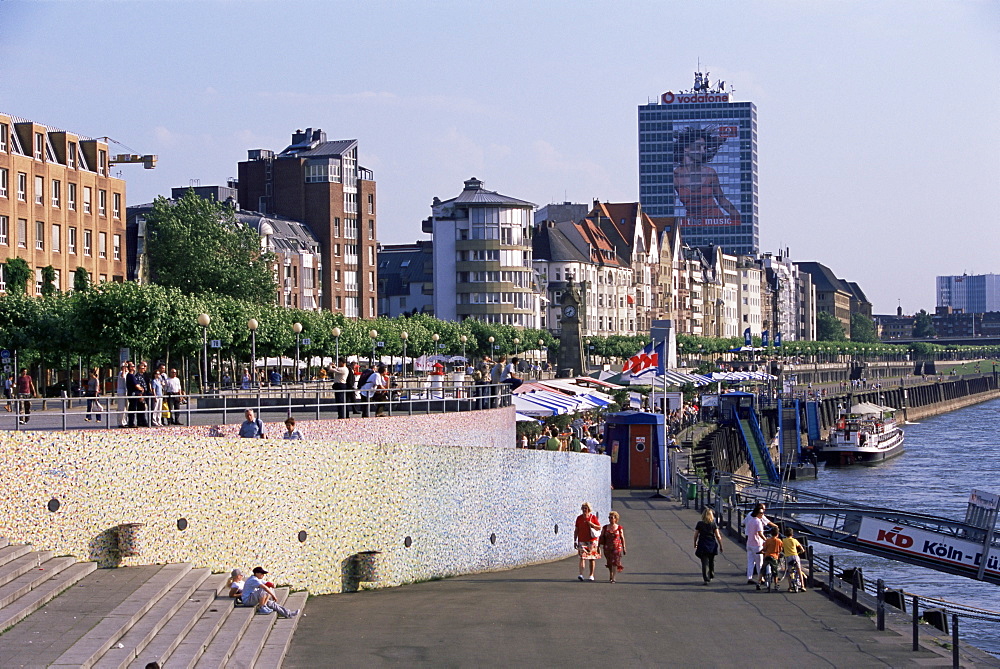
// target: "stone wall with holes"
[[300, 508]]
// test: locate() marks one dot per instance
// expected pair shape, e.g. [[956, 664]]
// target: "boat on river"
[[865, 434]]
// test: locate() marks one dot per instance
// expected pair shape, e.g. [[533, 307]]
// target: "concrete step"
[[61, 573], [194, 643], [15, 571], [4, 541], [278, 640], [8, 553], [175, 630], [89, 648], [253, 639], [143, 632], [224, 642]]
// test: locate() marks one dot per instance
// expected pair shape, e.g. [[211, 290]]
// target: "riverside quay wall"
[[432, 494], [917, 401]]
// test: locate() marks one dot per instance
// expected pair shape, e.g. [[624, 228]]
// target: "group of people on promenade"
[[254, 428], [146, 398], [256, 592], [767, 550], [592, 539]]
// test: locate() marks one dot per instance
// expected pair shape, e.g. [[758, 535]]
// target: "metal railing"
[[314, 400]]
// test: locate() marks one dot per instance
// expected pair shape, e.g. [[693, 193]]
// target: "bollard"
[[895, 598], [854, 592], [880, 606], [937, 618], [916, 621], [812, 575], [831, 574], [954, 640]]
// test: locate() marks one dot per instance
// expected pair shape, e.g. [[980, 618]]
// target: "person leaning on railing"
[[172, 390]]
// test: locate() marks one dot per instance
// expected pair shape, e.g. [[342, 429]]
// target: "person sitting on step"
[[257, 593]]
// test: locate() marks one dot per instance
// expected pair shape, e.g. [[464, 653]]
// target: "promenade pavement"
[[659, 613]]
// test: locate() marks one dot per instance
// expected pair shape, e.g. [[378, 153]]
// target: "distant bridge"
[[990, 340]]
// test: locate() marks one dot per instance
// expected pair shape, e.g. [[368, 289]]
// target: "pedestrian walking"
[[707, 543], [586, 533], [612, 542], [25, 391]]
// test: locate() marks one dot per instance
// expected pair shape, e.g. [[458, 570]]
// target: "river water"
[[946, 457]]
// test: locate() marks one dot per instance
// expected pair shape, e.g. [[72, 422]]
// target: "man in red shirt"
[[25, 391]]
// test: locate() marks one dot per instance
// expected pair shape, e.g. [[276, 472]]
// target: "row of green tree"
[[160, 323]]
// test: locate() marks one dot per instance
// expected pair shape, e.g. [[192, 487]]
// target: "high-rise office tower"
[[698, 164]]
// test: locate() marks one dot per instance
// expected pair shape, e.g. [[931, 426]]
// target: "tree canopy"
[[829, 328], [198, 246], [923, 325], [863, 329]]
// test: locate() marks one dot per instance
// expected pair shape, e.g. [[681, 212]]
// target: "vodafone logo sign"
[[670, 97]]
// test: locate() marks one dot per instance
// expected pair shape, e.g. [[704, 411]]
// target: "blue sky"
[[879, 136]]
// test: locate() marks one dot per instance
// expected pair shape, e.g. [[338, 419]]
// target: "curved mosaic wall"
[[303, 508]]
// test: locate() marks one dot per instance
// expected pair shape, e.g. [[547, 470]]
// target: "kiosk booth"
[[632, 439]]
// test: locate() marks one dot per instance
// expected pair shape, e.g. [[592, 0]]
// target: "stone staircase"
[[57, 612]]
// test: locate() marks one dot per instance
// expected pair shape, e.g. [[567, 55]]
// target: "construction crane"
[[148, 161]]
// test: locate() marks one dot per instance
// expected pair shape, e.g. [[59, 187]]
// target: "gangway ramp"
[[942, 544]]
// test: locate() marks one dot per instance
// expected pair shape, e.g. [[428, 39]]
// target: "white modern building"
[[483, 258]]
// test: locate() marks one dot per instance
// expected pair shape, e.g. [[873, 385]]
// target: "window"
[[371, 280], [102, 163], [102, 202], [71, 197], [87, 194], [88, 242], [22, 186], [336, 249], [336, 226], [39, 190], [56, 193], [350, 203], [117, 247], [371, 228], [4, 135], [116, 209], [3, 182], [351, 228], [71, 241], [102, 245], [3, 278], [39, 235], [103, 279], [22, 233], [371, 206], [39, 145], [4, 230], [336, 276], [38, 281], [371, 255], [71, 159], [56, 238]]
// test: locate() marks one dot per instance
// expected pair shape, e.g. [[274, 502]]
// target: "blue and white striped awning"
[[742, 376], [673, 378]]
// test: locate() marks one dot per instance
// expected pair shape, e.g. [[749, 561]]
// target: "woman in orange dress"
[[613, 543], [586, 534]]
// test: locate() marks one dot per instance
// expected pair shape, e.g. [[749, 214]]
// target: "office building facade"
[[59, 206], [970, 294], [698, 164]]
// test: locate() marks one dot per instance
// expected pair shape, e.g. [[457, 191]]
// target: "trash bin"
[[130, 539], [368, 566], [692, 491]]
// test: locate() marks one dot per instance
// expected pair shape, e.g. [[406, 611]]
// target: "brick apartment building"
[[320, 183], [59, 206]]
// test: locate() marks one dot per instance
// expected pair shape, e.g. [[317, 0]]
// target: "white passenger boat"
[[864, 435]]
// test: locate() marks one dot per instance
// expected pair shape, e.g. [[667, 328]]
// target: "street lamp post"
[[516, 343], [336, 337], [404, 336], [374, 335], [491, 340], [297, 329], [204, 320], [541, 344], [252, 325], [464, 339]]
